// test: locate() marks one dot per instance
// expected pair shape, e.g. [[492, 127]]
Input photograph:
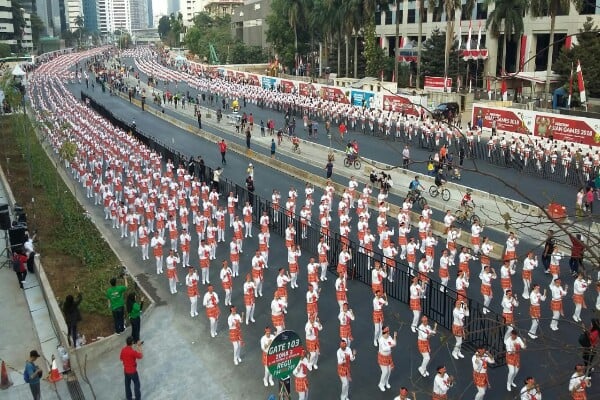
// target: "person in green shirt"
[[115, 296], [134, 309]]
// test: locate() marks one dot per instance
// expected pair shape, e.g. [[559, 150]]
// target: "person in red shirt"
[[20, 259], [223, 150], [129, 356], [577, 248]]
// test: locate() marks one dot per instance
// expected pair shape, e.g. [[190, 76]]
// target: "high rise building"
[[173, 7], [90, 15], [248, 22], [73, 10], [139, 14], [119, 12], [150, 13], [11, 35]]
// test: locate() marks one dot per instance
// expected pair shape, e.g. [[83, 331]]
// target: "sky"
[[159, 7]]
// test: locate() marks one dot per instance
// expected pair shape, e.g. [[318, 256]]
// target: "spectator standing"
[[273, 148], [20, 265], [114, 294], [216, 178], [129, 356], [72, 315], [250, 187], [223, 151], [329, 169], [549, 245], [589, 345], [32, 374], [577, 248], [589, 199], [579, 199], [199, 119], [134, 310], [248, 137], [201, 169], [405, 157], [29, 252]]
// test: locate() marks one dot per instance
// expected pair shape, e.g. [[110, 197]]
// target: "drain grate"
[[74, 387]]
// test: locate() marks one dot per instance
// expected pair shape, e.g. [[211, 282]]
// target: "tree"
[[279, 34], [376, 60], [551, 8], [164, 27], [295, 16], [79, 23], [433, 57], [37, 27], [4, 50], [510, 13], [586, 51]]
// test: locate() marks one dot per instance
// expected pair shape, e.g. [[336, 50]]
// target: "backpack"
[[584, 339], [26, 376]]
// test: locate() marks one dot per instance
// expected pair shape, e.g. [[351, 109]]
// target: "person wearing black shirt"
[[72, 315], [549, 245]]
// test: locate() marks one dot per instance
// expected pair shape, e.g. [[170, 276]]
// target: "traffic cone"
[[5, 382], [55, 376]]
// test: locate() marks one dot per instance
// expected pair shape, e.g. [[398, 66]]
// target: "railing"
[[481, 330]]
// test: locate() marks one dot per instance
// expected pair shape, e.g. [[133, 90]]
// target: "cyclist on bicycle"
[[440, 178], [295, 143], [352, 150], [467, 201], [415, 187]]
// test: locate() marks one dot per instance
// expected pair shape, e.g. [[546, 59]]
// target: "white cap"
[[250, 164]]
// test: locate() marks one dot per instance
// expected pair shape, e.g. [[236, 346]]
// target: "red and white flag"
[[489, 88], [479, 36], [570, 87], [504, 90], [469, 36], [580, 83]]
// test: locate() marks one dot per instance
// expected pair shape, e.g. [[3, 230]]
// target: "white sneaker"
[[554, 328], [455, 355], [388, 386], [266, 383], [531, 335], [382, 388], [271, 382], [422, 372], [461, 355]]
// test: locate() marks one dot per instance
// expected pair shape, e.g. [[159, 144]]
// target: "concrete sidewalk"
[[27, 324]]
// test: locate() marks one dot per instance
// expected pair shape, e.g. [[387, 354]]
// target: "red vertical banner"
[[523, 52]]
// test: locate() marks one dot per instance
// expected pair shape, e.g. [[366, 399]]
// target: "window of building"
[[400, 16], [481, 11], [590, 7], [377, 17], [437, 14], [388, 18], [412, 16]]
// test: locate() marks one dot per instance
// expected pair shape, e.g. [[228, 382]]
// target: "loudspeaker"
[[4, 217], [17, 235], [20, 215]]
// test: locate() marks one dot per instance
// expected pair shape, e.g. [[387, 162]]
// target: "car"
[[443, 110]]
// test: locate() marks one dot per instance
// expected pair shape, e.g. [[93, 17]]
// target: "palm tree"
[[295, 14], [541, 8], [79, 24], [510, 13]]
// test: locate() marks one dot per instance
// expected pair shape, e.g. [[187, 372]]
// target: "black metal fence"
[[481, 330]]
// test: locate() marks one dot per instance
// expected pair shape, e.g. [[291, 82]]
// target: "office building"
[[11, 35], [248, 22], [139, 14], [73, 10], [150, 13], [90, 15], [535, 40]]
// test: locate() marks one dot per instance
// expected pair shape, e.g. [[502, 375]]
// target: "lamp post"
[[397, 40]]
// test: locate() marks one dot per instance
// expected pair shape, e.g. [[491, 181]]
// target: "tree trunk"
[[420, 33], [518, 63], [339, 55], [296, 49], [356, 56], [504, 53], [347, 57], [550, 51]]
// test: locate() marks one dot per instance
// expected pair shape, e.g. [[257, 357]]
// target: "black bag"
[[16, 264], [584, 339]]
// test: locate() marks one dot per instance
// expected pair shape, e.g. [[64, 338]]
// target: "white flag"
[[580, 83], [469, 36], [479, 37], [459, 36]]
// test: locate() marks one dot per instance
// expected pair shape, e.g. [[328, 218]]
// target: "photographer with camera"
[[72, 316], [115, 296]]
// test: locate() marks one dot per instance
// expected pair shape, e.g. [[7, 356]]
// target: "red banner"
[[253, 80], [436, 83], [571, 130], [240, 75], [287, 86], [307, 89], [399, 104], [334, 94], [506, 120]]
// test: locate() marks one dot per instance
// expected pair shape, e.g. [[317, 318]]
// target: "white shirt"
[[265, 342], [342, 354], [234, 321], [386, 345], [580, 286], [210, 299], [557, 292], [530, 394], [441, 383], [310, 328], [535, 298]]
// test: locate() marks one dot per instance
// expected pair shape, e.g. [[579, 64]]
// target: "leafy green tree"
[[279, 34], [432, 57], [552, 8], [4, 50], [586, 51], [509, 15], [376, 60], [37, 27], [164, 27]]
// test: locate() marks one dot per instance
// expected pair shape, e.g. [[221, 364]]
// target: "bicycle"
[[435, 191], [466, 214], [348, 161], [417, 198]]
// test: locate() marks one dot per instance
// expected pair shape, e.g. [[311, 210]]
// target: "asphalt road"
[[550, 359]]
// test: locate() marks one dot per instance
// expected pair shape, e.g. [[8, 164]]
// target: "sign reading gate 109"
[[284, 354]]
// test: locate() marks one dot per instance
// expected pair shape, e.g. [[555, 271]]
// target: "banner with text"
[[436, 83], [559, 127]]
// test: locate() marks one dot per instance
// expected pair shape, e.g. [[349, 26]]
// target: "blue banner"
[[268, 83], [361, 98]]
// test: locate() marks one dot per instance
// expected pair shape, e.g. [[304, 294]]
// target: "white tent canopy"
[[537, 76], [17, 71]]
